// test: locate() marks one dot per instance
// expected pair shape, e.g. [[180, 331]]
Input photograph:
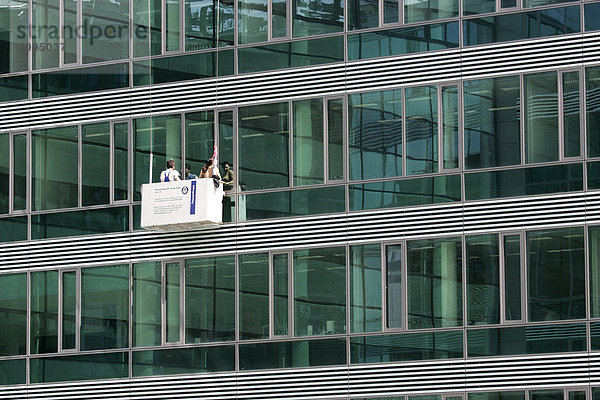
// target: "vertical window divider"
[[583, 112], [291, 294], [182, 302], [163, 25], [403, 133], [460, 124], [381, 11], [404, 285], [237, 297], [289, 21], [400, 11], [325, 109], [111, 166], [11, 172], [383, 256], [524, 283], [30, 43], [522, 100], [59, 318], [348, 302], [291, 169], [182, 29], [440, 127], [269, 20], [463, 250], [502, 277], [587, 292], [271, 297], [79, 40], [28, 179], [28, 324], [130, 152], [78, 289], [561, 115], [61, 32], [183, 141], [163, 304]]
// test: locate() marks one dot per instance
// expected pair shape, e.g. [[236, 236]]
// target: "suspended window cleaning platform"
[[182, 205]]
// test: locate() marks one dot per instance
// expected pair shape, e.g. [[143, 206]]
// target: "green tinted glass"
[[399, 41], [592, 94], [54, 168], [279, 18], [594, 260], [572, 114], [450, 126], [69, 309], [471, 7], [4, 172], [120, 163], [308, 142], [309, 20], [541, 117], [209, 299], [393, 286], [252, 21], [199, 140], [296, 354], [70, 47], [226, 149], [104, 307], [13, 229], [281, 298], [524, 181], [552, 394], [79, 368], [492, 122], [199, 24], [76, 223], [13, 372], [292, 203], [264, 135], [45, 46], [375, 134], [175, 69], [44, 312], [172, 21], [146, 28], [183, 361], [13, 314], [363, 14], [425, 10], [335, 137], [526, 340], [108, 27], [524, 25], [406, 347], [14, 20], [226, 28], [147, 303], [556, 274], [592, 23], [14, 87], [513, 278], [95, 159], [365, 288], [483, 280], [320, 291], [421, 130], [434, 283], [173, 302], [405, 192], [19, 172], [497, 396], [254, 296]]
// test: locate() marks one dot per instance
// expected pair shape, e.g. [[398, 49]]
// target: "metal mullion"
[[59, 317], [61, 32], [404, 283], [182, 26], [403, 133], [522, 105], [163, 27], [11, 172], [381, 10], [561, 115], [183, 138], [502, 277], [348, 286], [80, 165], [163, 302], [79, 40], [290, 282], [271, 297], [78, 309], [325, 140], [465, 303], [523, 248], [582, 113], [28, 324], [237, 297], [111, 167], [440, 128], [270, 20], [383, 284], [291, 169], [181, 302], [30, 42]]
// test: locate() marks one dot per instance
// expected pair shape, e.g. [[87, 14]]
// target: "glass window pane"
[[421, 130], [577, 395], [425, 10], [44, 312], [14, 87], [264, 130], [483, 280], [95, 160], [183, 361], [592, 22], [292, 203], [147, 32], [492, 122], [497, 396], [393, 287], [541, 117], [104, 307], [450, 126], [19, 172], [199, 24], [199, 139], [79, 368], [594, 249], [173, 302], [320, 291], [281, 299], [226, 150], [512, 278], [434, 283], [13, 229], [69, 309], [406, 347], [308, 142], [252, 21], [556, 274], [13, 314], [363, 14], [519, 26], [209, 299], [572, 114], [226, 27], [108, 25], [279, 19], [4, 172], [592, 94], [526, 340], [293, 354], [172, 25], [524, 181], [471, 7], [312, 18], [13, 372], [45, 46], [365, 288], [397, 41], [254, 296], [120, 163], [54, 158], [335, 137], [390, 11], [375, 136], [147, 301], [14, 20], [551, 394], [70, 47]]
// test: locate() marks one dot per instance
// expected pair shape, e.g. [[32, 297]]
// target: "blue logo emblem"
[[184, 190]]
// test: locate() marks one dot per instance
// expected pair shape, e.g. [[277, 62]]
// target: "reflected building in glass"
[[410, 210]]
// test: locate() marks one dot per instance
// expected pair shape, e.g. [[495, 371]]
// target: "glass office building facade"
[[413, 216]]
